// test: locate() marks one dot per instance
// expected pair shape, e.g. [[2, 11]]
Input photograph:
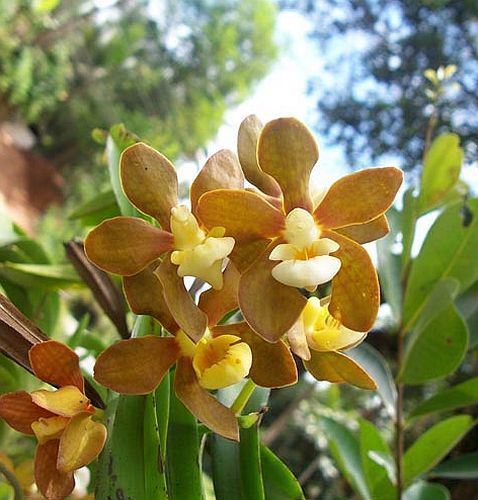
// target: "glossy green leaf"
[[183, 469], [436, 350], [458, 396], [250, 460], [433, 445], [377, 367], [426, 491], [449, 250], [407, 222], [462, 467], [468, 306], [49, 276], [118, 140], [389, 266], [441, 170], [279, 482], [226, 470], [345, 449], [376, 475]]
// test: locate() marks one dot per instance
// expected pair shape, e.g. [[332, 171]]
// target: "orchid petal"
[[56, 364], [307, 273], [221, 170], [288, 151], [49, 428], [186, 313], [80, 443], [126, 245], [365, 233], [66, 401], [355, 289], [245, 215], [136, 366], [272, 364], [244, 254], [269, 307], [247, 139], [149, 181], [19, 411], [51, 482], [284, 251], [144, 293], [203, 405], [298, 340], [216, 303], [336, 367], [359, 197]]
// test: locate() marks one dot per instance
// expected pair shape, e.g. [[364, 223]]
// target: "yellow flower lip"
[[326, 333], [222, 361]]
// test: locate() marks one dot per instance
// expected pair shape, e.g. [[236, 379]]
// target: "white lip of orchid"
[[196, 253], [306, 262]]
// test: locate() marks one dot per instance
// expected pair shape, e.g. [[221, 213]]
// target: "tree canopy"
[[167, 70], [377, 101]]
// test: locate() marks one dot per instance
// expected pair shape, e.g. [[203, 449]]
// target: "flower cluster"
[[61, 420], [263, 250], [271, 241]]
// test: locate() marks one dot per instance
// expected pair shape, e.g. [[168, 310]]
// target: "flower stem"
[[243, 397]]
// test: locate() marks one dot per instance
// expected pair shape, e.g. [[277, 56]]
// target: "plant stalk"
[[243, 397]]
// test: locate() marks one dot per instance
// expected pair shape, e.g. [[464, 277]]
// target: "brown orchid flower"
[[287, 243], [224, 355], [127, 245]]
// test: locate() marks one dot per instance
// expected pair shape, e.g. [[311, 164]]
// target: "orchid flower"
[[61, 420], [127, 245], [222, 356], [285, 242], [320, 339]]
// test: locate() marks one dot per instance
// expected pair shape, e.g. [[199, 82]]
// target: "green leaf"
[[345, 449], [250, 460], [118, 140], [389, 266], [279, 482], [377, 367], [463, 467], [426, 491], [441, 297], [408, 221], [449, 250], [121, 471], [183, 461], [48, 276], [468, 306], [377, 476], [226, 470], [433, 445], [237, 467], [441, 171], [103, 206], [464, 394], [436, 350]]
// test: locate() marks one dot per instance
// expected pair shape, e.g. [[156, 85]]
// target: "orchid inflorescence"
[[263, 250]]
